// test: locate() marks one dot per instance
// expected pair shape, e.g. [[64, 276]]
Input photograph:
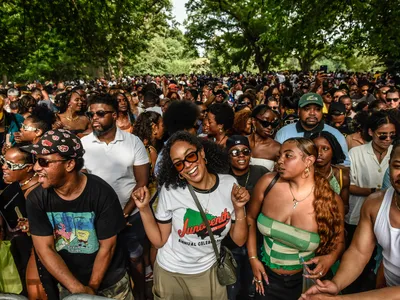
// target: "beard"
[[104, 129]]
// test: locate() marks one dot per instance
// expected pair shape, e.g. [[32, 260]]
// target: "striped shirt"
[[283, 244]]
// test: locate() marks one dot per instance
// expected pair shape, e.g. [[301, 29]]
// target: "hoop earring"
[[205, 160], [180, 176]]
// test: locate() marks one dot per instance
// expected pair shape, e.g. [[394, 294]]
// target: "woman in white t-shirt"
[[185, 265]]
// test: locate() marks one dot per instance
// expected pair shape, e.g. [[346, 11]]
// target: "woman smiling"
[[186, 263]]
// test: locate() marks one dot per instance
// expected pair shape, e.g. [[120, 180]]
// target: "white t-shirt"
[[114, 162], [188, 249], [365, 172]]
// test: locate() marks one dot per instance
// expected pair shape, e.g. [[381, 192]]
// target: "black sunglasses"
[[237, 152], [266, 124], [100, 113], [384, 136], [44, 163], [191, 158], [392, 99]]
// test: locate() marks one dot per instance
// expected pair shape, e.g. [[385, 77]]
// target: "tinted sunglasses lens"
[[101, 113], [42, 162], [191, 157], [179, 166], [235, 153], [246, 152], [385, 136], [90, 114]]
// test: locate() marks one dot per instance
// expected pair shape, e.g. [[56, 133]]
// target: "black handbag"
[[226, 264]]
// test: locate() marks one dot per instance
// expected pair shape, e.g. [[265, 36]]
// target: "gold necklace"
[[247, 179], [27, 181], [295, 201]]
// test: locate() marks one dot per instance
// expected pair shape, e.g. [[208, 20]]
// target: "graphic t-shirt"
[[188, 249], [78, 225]]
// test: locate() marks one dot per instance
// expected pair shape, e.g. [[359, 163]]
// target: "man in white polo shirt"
[[121, 160]]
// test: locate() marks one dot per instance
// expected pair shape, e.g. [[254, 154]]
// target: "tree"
[[233, 30], [83, 32]]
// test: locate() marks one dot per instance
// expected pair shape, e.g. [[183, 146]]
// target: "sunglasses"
[[337, 113], [44, 163], [28, 128], [274, 107], [12, 166], [266, 124], [392, 99], [287, 122], [236, 152], [384, 136], [99, 113], [364, 90], [190, 158]]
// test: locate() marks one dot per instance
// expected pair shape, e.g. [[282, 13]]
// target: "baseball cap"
[[337, 107], [311, 98], [59, 141], [236, 140]]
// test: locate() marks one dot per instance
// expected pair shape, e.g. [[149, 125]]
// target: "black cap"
[[235, 140], [337, 107]]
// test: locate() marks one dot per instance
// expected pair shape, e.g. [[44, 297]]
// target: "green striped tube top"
[[283, 244]]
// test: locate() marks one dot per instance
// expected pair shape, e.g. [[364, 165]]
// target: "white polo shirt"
[[365, 172], [114, 162]]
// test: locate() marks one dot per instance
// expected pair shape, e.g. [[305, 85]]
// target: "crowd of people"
[[296, 174]]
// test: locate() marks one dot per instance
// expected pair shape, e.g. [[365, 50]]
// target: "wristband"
[[253, 257]]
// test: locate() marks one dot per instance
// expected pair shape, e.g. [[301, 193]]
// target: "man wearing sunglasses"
[[74, 220], [120, 159], [247, 175], [392, 99], [311, 121]]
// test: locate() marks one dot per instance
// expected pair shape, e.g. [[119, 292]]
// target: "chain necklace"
[[295, 201], [27, 181], [247, 179]]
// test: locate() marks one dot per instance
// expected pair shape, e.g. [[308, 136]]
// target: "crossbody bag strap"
[[271, 184], [203, 216]]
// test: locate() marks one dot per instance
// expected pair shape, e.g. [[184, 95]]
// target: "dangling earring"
[[205, 160], [221, 130], [180, 176], [307, 172]]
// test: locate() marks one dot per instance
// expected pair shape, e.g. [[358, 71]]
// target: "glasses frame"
[[180, 169], [263, 123], [12, 166], [384, 136], [99, 113], [239, 152], [44, 163], [28, 128], [395, 100]]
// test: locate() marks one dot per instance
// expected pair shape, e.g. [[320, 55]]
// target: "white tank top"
[[389, 238]]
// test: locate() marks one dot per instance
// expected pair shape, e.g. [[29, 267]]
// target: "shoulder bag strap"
[[271, 184], [203, 216]]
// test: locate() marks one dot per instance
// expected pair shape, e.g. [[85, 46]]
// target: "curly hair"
[[240, 120], [180, 115], [143, 125], [326, 208], [42, 117], [106, 99], [338, 155], [217, 158], [223, 115]]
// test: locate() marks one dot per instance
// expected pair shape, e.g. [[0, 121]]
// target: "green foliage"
[[59, 37], [168, 53]]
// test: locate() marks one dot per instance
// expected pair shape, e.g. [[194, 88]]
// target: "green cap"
[[311, 98]]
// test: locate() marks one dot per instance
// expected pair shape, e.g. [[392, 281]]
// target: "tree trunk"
[[4, 79]]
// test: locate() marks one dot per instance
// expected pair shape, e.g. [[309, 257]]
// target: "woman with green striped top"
[[300, 219]]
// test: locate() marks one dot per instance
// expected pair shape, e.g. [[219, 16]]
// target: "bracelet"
[[241, 219], [253, 257]]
